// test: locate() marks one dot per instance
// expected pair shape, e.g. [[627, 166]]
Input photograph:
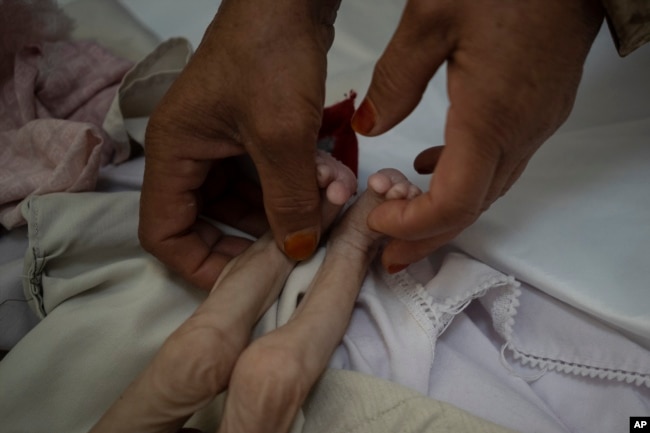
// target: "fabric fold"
[[51, 111], [543, 334]]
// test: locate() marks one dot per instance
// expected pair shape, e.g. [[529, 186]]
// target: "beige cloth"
[[143, 87], [350, 402]]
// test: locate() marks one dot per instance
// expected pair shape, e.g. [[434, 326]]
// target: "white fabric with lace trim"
[[515, 366], [545, 334]]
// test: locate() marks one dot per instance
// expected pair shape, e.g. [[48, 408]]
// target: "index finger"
[[168, 227], [456, 193]]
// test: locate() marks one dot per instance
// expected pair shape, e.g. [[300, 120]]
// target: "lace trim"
[[546, 364], [413, 295], [504, 310], [435, 316]]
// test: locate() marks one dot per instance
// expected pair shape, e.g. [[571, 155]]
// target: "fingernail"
[[393, 269], [300, 245], [363, 120]]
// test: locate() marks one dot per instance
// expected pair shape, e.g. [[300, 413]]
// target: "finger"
[[169, 209], [457, 191], [398, 253], [231, 197], [218, 242], [506, 173], [287, 172], [425, 162], [230, 209], [517, 172], [420, 44]]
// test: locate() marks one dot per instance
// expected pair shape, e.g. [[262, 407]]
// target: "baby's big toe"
[[391, 184], [398, 191], [330, 171]]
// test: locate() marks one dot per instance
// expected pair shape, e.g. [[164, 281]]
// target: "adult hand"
[[254, 86], [513, 71]]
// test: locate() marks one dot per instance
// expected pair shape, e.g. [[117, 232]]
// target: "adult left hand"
[[513, 72]]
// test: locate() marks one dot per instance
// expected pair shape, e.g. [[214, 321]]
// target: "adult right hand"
[[255, 86]]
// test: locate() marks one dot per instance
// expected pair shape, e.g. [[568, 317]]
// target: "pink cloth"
[[24, 23], [51, 112]]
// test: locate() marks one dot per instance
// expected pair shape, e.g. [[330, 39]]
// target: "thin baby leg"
[[275, 373], [196, 361]]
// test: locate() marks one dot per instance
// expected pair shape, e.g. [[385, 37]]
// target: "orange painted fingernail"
[[393, 269], [363, 120], [300, 245]]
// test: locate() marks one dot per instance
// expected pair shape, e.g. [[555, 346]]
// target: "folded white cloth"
[[576, 225]]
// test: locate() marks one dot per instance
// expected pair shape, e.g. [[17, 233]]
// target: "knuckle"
[[429, 24], [276, 373], [425, 14], [200, 360]]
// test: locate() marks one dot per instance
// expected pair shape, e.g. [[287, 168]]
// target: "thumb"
[[291, 195], [420, 44]]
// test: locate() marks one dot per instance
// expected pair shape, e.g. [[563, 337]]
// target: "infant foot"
[[386, 184], [337, 184]]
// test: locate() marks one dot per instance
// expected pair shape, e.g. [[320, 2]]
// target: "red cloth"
[[336, 135]]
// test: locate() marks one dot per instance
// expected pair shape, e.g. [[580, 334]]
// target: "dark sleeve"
[[629, 23]]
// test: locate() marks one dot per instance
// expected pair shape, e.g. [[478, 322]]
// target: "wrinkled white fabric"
[[570, 359], [576, 225], [548, 335], [396, 330], [397, 320]]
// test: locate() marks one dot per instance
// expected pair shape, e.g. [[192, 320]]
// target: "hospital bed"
[[560, 343]]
